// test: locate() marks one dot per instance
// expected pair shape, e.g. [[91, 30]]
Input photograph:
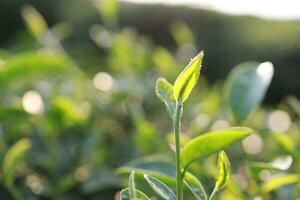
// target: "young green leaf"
[[246, 87], [13, 157], [210, 143], [224, 171], [187, 79], [160, 188], [132, 190], [164, 91], [279, 181], [124, 195]]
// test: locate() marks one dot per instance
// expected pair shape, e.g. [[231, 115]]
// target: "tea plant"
[[174, 97]]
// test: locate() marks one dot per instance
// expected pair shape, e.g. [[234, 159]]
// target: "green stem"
[[213, 194], [179, 178]]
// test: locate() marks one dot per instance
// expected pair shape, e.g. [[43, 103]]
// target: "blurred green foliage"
[[67, 132]]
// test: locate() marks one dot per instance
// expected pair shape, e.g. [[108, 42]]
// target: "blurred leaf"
[[109, 11], [132, 189], [26, 64], [11, 113], [124, 195], [13, 157], [66, 111], [165, 62], [182, 33], [164, 91], [62, 30], [99, 181], [187, 79], [210, 143], [35, 22], [285, 141], [224, 171], [279, 181], [160, 188], [246, 86]]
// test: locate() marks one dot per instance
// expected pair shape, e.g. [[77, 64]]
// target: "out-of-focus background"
[[77, 96]]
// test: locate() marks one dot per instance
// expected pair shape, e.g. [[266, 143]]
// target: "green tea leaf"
[[160, 188], [165, 172], [195, 186], [164, 91], [124, 195], [224, 171], [246, 87], [132, 189], [187, 79], [13, 157], [210, 143], [279, 181]]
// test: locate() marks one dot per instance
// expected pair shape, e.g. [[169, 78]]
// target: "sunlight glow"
[[265, 71], [33, 102], [279, 121], [253, 144], [267, 9], [103, 81]]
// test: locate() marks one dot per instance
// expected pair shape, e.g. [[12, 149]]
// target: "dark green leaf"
[[246, 87], [160, 188]]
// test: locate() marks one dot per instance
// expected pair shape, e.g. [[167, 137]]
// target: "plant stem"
[[213, 194], [176, 124]]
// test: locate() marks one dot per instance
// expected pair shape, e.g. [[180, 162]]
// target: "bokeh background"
[[77, 92]]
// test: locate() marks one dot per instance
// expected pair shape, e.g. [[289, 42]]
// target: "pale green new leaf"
[[132, 189], [279, 181], [164, 91], [187, 79], [13, 157], [124, 195], [160, 188], [211, 143], [246, 87], [224, 171]]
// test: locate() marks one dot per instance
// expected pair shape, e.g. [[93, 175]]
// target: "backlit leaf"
[[164, 91], [187, 79], [160, 188], [279, 181], [246, 87], [211, 143], [13, 157], [224, 171]]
